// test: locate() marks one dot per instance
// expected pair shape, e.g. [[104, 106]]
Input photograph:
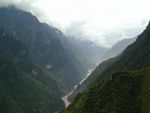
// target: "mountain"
[[92, 56], [105, 55], [102, 55], [24, 85], [120, 84], [38, 63], [87, 48], [124, 92], [46, 46], [90, 81], [21, 93], [118, 48]]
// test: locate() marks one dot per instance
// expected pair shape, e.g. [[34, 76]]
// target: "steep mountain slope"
[[90, 81], [114, 93], [21, 93], [92, 56], [124, 92], [24, 86], [38, 64], [104, 55], [88, 48], [109, 53], [118, 48], [46, 45], [135, 56]]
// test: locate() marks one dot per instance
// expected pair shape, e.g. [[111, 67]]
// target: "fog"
[[102, 21]]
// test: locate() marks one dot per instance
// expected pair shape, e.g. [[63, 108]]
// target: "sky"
[[102, 21]]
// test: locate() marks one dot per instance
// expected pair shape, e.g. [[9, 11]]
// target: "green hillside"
[[123, 92], [25, 86], [135, 56], [114, 87], [38, 63], [21, 93], [46, 45]]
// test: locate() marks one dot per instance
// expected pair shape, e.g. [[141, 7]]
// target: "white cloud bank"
[[102, 21]]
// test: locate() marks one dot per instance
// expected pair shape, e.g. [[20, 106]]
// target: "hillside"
[[108, 54], [107, 59], [135, 56], [118, 48], [125, 92], [21, 93], [24, 86], [90, 81], [46, 46], [39, 62], [129, 82], [87, 48]]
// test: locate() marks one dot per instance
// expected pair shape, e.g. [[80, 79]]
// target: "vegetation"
[[25, 86], [38, 64], [123, 92], [46, 45]]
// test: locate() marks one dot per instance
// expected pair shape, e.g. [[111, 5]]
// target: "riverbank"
[[65, 97]]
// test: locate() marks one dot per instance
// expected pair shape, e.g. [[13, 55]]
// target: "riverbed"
[[65, 97]]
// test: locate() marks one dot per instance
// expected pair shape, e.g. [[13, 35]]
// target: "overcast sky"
[[102, 21]]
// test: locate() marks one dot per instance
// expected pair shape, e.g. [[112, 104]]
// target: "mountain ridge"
[[117, 48], [42, 65], [111, 94]]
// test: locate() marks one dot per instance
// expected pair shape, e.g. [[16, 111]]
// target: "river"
[[65, 97]]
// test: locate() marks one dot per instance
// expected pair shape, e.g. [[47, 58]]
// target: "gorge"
[[65, 98]]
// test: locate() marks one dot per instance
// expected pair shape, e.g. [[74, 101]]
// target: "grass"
[[145, 90], [24, 93], [124, 92]]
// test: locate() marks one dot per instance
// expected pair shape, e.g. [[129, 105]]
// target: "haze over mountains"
[[120, 84], [110, 53], [39, 64], [46, 56], [102, 23], [118, 48]]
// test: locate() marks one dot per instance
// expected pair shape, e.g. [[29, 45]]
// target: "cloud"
[[108, 36], [81, 30], [26, 5], [102, 21], [76, 29]]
